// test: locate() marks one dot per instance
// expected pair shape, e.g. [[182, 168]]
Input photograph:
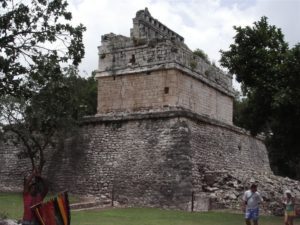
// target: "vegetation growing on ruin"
[[200, 53]]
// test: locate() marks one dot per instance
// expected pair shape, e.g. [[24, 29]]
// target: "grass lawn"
[[11, 204], [150, 216]]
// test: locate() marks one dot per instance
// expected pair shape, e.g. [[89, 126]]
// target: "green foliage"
[[193, 64], [285, 144], [200, 53], [257, 56], [38, 100], [50, 114], [270, 76], [84, 95], [239, 105], [30, 33]]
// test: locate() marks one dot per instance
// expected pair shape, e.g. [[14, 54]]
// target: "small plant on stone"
[[193, 64], [200, 53]]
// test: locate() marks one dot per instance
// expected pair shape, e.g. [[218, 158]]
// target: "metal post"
[[192, 206]]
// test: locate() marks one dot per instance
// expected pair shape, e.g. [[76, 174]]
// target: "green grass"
[[151, 216], [12, 205]]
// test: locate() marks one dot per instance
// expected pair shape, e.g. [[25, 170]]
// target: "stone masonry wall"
[[153, 46], [120, 55], [161, 89], [12, 169], [219, 148], [147, 27], [152, 160]]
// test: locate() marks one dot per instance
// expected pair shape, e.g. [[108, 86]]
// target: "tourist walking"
[[251, 202], [34, 192], [289, 212]]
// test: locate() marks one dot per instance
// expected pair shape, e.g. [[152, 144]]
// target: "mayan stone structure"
[[163, 134], [153, 70]]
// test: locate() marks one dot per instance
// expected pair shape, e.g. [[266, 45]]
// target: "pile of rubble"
[[225, 189]]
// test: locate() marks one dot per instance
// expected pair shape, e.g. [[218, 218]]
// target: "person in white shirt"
[[251, 201]]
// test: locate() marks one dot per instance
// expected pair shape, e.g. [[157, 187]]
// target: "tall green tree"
[[84, 94], [284, 144], [37, 43], [49, 116], [31, 32], [269, 75]]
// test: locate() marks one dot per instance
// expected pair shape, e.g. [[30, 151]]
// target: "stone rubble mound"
[[225, 189]]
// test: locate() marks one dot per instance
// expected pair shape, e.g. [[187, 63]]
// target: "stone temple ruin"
[[163, 134], [154, 70]]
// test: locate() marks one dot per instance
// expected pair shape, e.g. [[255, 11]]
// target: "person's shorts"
[[290, 213], [252, 214]]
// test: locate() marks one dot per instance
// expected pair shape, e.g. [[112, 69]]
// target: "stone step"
[[88, 205], [91, 208], [82, 205]]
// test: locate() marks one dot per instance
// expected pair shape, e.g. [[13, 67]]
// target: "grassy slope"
[[12, 205]]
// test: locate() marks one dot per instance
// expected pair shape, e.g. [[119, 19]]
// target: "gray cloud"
[[204, 24]]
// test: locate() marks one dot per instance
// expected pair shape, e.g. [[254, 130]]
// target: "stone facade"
[[154, 159], [162, 89], [12, 169], [154, 69], [159, 159]]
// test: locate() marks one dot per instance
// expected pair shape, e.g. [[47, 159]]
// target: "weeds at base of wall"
[[3, 215]]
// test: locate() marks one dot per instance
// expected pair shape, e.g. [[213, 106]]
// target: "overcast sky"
[[204, 24]]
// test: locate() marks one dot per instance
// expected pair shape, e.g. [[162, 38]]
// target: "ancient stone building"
[[163, 134], [170, 119], [154, 70]]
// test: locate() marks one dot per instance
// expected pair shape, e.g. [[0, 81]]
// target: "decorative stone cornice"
[[169, 112]]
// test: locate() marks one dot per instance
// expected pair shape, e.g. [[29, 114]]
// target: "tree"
[[37, 43], [49, 116], [269, 73], [84, 94], [284, 144], [31, 33]]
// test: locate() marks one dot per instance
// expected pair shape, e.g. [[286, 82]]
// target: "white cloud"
[[205, 24], [284, 14]]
